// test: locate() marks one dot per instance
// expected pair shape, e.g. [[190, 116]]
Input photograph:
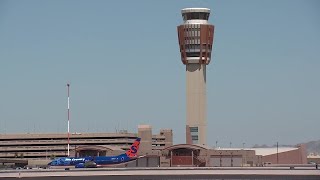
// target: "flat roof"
[[313, 156], [263, 151], [189, 10], [64, 135]]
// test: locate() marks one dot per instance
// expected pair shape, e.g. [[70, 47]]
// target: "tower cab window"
[[196, 15]]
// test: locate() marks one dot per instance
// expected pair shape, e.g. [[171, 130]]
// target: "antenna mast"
[[68, 86]]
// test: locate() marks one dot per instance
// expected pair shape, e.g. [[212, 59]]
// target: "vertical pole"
[[277, 153], [192, 157], [68, 86], [231, 159], [171, 159], [243, 155]]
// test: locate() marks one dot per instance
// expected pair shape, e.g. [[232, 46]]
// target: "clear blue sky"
[[123, 62]]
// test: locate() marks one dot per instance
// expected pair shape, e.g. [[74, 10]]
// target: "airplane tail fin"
[[132, 152]]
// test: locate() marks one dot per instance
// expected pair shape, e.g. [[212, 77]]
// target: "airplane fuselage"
[[129, 155]]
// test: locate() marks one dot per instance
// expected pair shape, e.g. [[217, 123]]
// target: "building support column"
[[147, 161], [231, 159], [192, 158], [170, 158]]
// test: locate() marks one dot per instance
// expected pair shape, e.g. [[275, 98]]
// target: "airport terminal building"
[[48, 146], [157, 149]]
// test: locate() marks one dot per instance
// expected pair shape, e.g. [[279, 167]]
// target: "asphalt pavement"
[[165, 173]]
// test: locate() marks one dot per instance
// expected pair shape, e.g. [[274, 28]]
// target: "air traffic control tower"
[[195, 41]]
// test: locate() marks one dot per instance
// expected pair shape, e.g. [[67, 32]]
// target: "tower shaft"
[[196, 103]]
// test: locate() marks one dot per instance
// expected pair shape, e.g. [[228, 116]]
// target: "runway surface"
[[164, 173]]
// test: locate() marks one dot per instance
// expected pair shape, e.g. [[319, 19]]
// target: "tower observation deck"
[[195, 42]]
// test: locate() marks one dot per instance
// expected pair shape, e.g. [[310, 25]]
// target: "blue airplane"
[[92, 162]]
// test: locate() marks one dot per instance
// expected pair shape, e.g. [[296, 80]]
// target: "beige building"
[[313, 159], [201, 156], [46, 146], [197, 155]]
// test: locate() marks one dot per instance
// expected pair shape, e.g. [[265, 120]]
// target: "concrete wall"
[[38, 162], [145, 162], [165, 161], [226, 161], [248, 157]]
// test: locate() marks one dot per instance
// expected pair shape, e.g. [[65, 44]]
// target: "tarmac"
[[164, 173]]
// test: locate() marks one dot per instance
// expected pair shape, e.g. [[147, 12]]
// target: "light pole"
[[277, 153], [243, 156], [68, 89]]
